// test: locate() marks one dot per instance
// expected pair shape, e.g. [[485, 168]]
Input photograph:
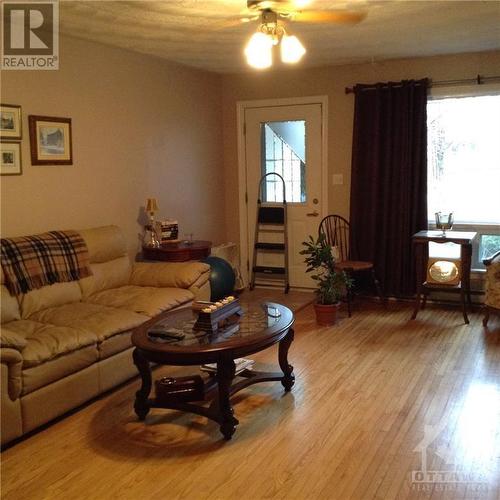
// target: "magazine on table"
[[240, 364]]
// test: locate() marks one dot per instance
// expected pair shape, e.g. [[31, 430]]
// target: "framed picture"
[[10, 158], [10, 121], [50, 140]]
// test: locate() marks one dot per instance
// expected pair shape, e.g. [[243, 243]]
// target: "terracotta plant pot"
[[326, 314]]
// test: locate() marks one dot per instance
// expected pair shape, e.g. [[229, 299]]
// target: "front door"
[[286, 140]]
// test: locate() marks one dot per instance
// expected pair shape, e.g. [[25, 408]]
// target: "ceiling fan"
[[296, 10], [271, 31]]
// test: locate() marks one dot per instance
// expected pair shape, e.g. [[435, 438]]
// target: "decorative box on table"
[[215, 315]]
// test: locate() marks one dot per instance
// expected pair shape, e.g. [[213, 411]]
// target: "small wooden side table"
[[421, 242], [178, 252]]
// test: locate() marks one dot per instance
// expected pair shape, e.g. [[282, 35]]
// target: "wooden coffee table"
[[260, 327]]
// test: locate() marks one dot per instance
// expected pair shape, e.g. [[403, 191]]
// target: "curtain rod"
[[479, 80]]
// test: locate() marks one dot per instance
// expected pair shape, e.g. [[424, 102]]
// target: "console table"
[[178, 252], [421, 242]]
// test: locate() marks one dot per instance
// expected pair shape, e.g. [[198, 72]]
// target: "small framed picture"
[[10, 157], [10, 121], [50, 140]]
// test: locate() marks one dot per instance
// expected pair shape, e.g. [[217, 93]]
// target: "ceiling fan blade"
[[234, 22], [278, 5], [328, 16]]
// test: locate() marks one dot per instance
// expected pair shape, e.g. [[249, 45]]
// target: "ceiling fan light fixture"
[[291, 49], [259, 51], [300, 4]]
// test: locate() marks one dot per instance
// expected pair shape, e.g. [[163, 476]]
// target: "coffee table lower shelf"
[[218, 390]]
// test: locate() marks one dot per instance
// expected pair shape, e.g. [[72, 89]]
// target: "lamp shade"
[[151, 205], [291, 49], [259, 51]]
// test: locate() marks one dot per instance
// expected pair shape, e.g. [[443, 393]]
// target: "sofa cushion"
[[45, 342], [58, 368], [49, 296], [142, 299], [9, 306], [105, 275], [169, 274], [99, 320], [104, 243], [118, 343]]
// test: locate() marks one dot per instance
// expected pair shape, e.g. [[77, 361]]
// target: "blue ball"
[[222, 278]]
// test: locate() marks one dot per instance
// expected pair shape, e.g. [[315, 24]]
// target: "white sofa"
[[64, 344]]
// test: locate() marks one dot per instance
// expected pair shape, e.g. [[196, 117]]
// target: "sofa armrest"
[[11, 340], [201, 289], [170, 274], [14, 361]]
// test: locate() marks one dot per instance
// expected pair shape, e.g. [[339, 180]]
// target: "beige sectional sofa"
[[66, 343]]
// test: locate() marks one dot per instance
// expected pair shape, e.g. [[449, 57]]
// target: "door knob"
[[313, 214]]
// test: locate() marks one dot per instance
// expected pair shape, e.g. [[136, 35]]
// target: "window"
[[283, 152], [464, 166]]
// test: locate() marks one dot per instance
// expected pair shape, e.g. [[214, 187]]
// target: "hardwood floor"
[[367, 393], [296, 300]]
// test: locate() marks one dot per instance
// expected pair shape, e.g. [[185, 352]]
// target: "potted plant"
[[332, 284]]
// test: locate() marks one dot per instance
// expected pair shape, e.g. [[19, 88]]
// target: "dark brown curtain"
[[389, 179]]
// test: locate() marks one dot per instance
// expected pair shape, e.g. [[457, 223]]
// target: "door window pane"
[[283, 152]]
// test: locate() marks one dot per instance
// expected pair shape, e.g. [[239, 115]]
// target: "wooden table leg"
[[467, 264], [225, 374], [288, 378], [466, 258], [464, 306], [141, 405]]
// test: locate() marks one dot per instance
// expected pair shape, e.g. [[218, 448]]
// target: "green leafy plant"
[[332, 284]]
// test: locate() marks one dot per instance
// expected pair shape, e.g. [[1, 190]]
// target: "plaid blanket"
[[30, 262]]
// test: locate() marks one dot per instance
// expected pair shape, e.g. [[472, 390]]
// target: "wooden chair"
[[337, 229], [492, 292]]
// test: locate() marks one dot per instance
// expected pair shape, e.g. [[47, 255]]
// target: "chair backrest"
[[336, 230]]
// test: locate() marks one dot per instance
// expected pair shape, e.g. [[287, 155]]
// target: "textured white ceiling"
[[206, 33]]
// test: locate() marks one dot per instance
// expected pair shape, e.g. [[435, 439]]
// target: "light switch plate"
[[337, 179]]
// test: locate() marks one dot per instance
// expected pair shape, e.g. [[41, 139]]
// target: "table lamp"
[[150, 238], [151, 209]]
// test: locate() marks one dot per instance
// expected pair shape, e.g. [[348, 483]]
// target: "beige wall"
[[144, 127], [141, 127], [331, 81]]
